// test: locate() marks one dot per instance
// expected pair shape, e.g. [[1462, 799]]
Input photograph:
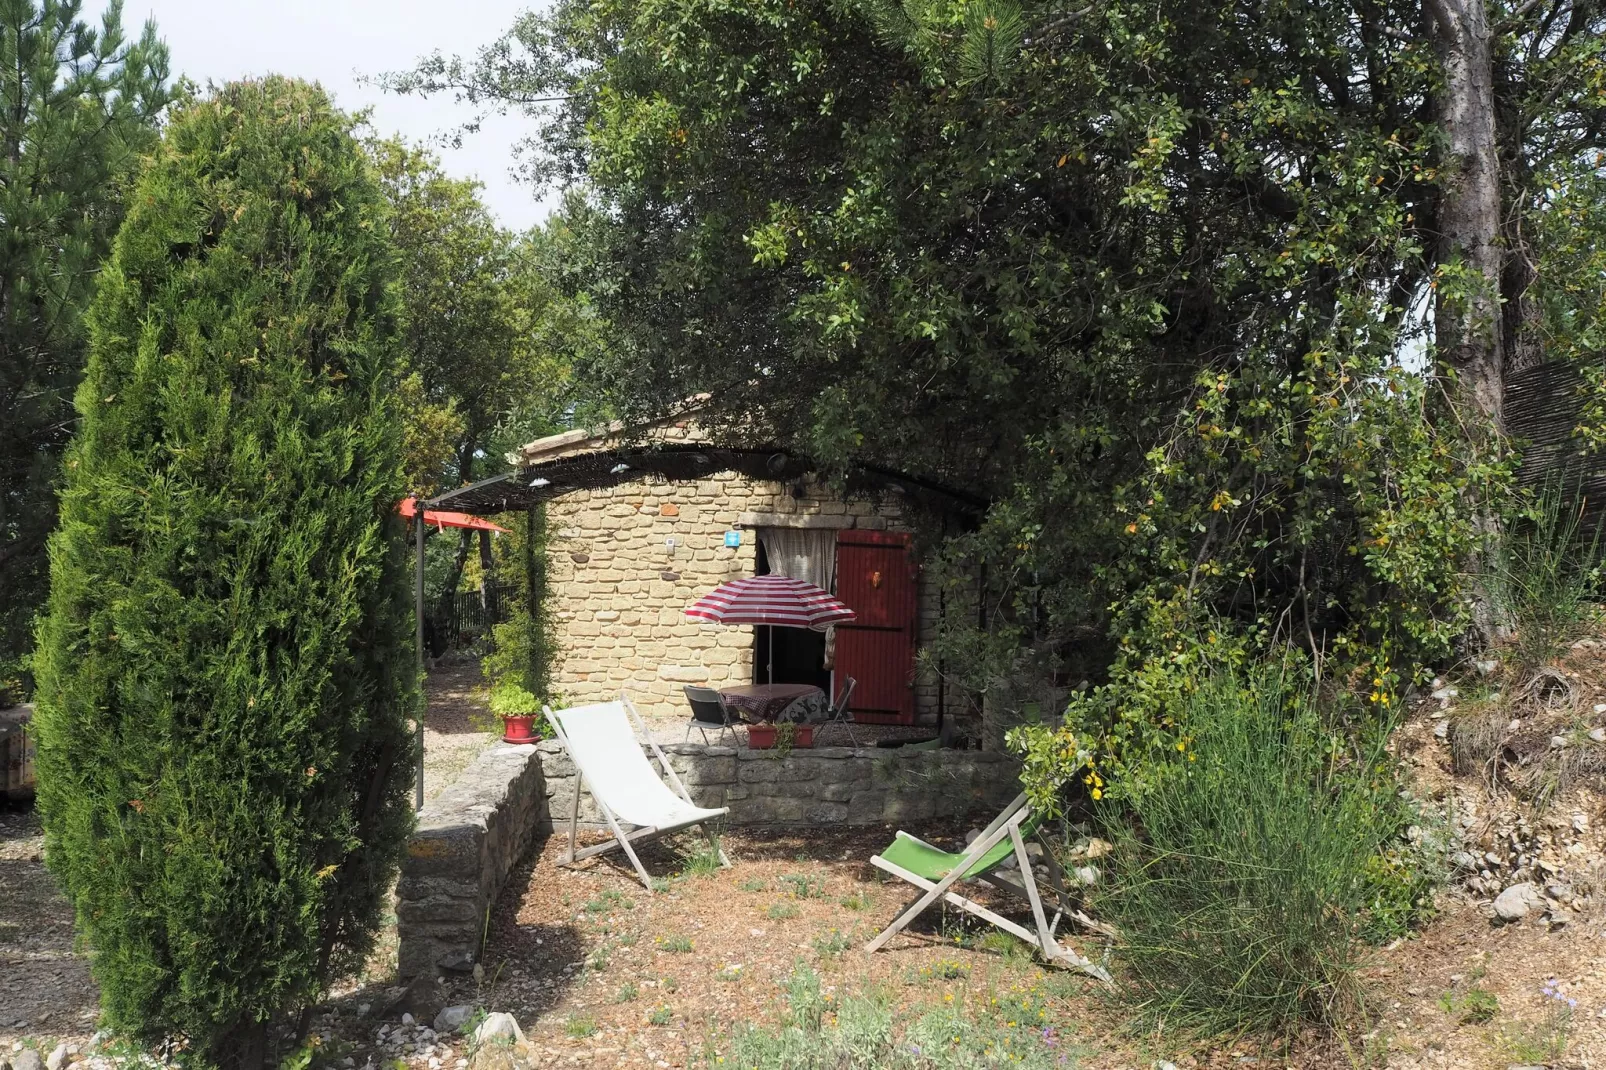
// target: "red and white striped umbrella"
[[773, 600]]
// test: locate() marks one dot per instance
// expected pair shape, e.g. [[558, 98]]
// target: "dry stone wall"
[[468, 840], [813, 786]]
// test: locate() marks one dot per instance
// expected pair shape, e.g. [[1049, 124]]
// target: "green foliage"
[[831, 944], [781, 911], [660, 1016], [1547, 576], [81, 107], [803, 885], [1475, 1006], [524, 648], [477, 333], [866, 1034], [675, 944], [701, 860], [1241, 878], [580, 1027], [1147, 278], [226, 671], [627, 993]]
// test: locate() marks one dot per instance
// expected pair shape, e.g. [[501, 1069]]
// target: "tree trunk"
[[487, 563], [245, 1047], [447, 614], [1467, 315]]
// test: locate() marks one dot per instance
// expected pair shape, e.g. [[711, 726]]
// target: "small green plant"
[[579, 1027], [803, 885], [660, 1016], [1000, 943], [831, 944], [599, 959], [608, 900], [627, 939], [680, 945], [781, 911], [729, 972], [703, 861], [865, 1032], [669, 984], [1545, 1041], [626, 993], [1475, 1006], [945, 969], [855, 901], [660, 884], [754, 884]]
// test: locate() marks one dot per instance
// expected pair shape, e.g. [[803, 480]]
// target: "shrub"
[[1242, 877], [226, 668], [1546, 575]]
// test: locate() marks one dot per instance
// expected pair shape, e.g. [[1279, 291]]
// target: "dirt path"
[[457, 725], [45, 983]]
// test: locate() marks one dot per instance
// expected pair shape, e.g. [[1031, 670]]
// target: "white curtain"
[[807, 554]]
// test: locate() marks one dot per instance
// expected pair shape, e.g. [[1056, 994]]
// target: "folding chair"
[[936, 872], [839, 714], [609, 763], [708, 710]]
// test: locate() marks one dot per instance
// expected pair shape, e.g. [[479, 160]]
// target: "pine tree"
[[77, 107], [225, 669]]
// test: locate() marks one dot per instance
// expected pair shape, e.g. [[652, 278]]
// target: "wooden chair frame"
[[1006, 824], [622, 840]]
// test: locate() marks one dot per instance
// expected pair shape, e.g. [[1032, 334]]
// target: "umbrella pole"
[[771, 679]]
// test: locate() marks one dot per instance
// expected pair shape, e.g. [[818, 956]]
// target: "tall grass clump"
[[1241, 882], [1547, 575]]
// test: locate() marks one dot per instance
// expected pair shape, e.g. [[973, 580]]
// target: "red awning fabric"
[[442, 519], [772, 599]]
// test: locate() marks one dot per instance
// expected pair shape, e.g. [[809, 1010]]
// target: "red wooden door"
[[876, 578]]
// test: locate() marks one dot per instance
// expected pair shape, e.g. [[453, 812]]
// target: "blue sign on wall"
[[733, 538]]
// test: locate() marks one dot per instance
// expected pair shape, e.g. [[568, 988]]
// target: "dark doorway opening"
[[799, 652]]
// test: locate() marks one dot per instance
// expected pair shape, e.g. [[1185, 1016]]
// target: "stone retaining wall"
[[469, 838], [814, 786]]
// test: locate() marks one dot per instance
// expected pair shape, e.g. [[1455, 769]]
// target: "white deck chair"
[[609, 763]]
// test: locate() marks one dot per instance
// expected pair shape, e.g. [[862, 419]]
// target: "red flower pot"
[[519, 730], [763, 736]]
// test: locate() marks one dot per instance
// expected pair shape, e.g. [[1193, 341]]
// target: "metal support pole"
[[418, 628]]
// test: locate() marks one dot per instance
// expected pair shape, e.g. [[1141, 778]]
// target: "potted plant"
[[520, 712], [781, 737]]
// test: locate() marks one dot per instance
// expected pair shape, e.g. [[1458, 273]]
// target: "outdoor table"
[[766, 702]]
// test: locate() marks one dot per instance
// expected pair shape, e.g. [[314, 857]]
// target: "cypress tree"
[[225, 668]]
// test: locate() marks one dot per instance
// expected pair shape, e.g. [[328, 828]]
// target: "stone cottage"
[[642, 523]]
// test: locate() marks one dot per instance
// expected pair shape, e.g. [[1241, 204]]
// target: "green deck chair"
[[936, 871]]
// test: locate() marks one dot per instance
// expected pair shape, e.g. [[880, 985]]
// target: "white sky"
[[333, 42]]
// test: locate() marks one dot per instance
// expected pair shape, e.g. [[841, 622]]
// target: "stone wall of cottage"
[[626, 561]]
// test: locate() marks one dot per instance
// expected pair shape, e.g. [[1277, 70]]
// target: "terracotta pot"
[[762, 736], [519, 730]]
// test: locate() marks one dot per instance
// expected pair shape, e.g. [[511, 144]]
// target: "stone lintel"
[[793, 520]]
